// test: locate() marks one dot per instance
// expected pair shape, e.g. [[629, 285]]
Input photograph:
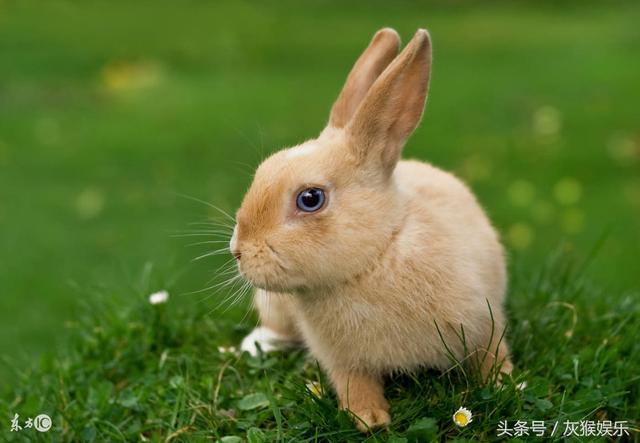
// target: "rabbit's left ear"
[[381, 51], [393, 107]]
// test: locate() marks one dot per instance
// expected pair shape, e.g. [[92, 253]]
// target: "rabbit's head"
[[321, 213]]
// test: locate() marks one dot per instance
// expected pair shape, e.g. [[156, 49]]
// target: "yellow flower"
[[123, 76], [462, 417]]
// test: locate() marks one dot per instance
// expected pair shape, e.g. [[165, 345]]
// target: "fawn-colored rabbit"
[[373, 263]]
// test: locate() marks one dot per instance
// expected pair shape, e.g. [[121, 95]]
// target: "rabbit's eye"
[[310, 200]]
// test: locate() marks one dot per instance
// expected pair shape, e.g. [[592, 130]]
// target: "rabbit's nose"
[[233, 244]]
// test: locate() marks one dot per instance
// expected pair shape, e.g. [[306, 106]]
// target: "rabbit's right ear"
[[381, 51], [392, 108]]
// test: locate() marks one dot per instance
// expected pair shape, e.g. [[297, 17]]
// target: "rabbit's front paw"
[[371, 418], [268, 340]]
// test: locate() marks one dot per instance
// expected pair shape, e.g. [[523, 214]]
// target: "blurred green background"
[[111, 111]]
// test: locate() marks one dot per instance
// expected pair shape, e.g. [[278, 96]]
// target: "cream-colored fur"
[[400, 253]]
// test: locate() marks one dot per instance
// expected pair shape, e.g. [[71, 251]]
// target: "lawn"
[[119, 121]]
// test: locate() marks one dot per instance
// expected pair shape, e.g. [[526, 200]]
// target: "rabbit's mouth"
[[266, 277], [264, 268]]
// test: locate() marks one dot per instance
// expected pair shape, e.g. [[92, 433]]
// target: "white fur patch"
[[233, 243], [268, 339], [302, 150]]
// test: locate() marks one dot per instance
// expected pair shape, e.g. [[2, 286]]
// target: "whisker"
[[229, 267], [231, 260], [234, 294], [215, 286], [219, 232], [229, 282], [228, 274], [202, 234], [211, 254], [212, 224], [249, 171], [225, 269], [229, 297], [237, 296], [226, 214], [212, 221], [209, 242], [245, 137], [248, 310], [238, 299]]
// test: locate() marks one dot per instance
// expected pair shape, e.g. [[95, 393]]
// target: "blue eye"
[[310, 200]]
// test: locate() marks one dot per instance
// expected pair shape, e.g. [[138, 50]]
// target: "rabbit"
[[375, 264]]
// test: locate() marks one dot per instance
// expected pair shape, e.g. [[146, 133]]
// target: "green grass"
[[110, 111], [155, 372]]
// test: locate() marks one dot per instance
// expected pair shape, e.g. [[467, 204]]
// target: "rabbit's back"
[[448, 223]]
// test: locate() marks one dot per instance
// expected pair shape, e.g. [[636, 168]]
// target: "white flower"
[[462, 417], [315, 388], [159, 297], [227, 349]]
